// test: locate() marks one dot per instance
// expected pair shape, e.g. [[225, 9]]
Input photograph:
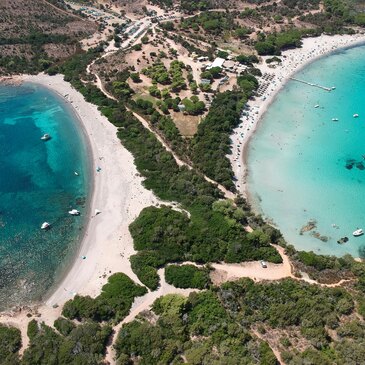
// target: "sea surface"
[[37, 184], [305, 167]]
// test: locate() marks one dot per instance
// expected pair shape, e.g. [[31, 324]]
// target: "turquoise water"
[[37, 184], [304, 166]]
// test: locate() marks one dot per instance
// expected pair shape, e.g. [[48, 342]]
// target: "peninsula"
[[174, 266]]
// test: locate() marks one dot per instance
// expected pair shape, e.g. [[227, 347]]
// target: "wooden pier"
[[311, 84]]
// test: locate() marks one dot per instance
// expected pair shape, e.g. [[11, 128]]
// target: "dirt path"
[[141, 304], [253, 270], [273, 349], [63, 11]]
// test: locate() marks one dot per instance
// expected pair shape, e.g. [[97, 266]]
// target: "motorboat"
[[74, 212], [45, 225], [334, 119], [97, 211], [358, 232], [356, 115], [316, 106], [45, 137]]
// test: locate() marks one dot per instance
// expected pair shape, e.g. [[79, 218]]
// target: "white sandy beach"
[[292, 61], [118, 194]]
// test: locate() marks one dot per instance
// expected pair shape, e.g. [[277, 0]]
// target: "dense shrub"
[[114, 302], [187, 276]]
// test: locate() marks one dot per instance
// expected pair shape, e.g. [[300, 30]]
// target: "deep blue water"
[[37, 184], [304, 166]]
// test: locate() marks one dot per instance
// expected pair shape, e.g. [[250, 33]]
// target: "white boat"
[[74, 212], [358, 232], [45, 137], [356, 115], [316, 106], [76, 173], [45, 225], [334, 119], [97, 211], [333, 87]]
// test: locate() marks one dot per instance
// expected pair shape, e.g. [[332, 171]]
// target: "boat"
[[45, 137], [333, 87], [97, 211], [316, 106], [76, 173], [45, 225], [358, 232], [74, 212], [334, 119], [356, 115]]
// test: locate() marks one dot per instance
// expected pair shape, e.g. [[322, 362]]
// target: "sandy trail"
[[141, 304]]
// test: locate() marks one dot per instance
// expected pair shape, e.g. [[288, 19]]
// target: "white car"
[[263, 264]]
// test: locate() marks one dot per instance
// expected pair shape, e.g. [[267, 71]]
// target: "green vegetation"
[[212, 73], [248, 84], [173, 77], [212, 142], [273, 44], [219, 339], [114, 302], [10, 342], [187, 276], [193, 106], [83, 344], [163, 235], [211, 22], [135, 77], [247, 60]]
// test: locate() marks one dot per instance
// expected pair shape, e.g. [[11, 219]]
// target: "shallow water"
[[37, 184], [303, 166]]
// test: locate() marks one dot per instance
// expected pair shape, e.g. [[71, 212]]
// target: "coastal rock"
[[319, 236], [312, 224]]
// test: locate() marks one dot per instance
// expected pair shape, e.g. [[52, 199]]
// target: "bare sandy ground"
[[292, 61], [253, 270]]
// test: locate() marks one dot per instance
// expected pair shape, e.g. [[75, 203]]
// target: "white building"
[[218, 62]]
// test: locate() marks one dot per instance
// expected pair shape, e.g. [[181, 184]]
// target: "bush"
[[10, 343], [187, 276], [114, 302]]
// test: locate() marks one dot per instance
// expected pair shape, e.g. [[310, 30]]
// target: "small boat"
[[76, 173], [358, 232], [333, 87], [45, 137], [74, 212], [356, 115], [316, 106], [45, 225], [334, 119], [97, 211]]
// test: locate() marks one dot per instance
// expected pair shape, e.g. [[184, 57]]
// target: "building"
[[218, 62]]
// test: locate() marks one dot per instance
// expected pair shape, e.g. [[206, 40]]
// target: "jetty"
[[311, 84]]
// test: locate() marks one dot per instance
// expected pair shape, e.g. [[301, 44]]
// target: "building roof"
[[218, 62], [229, 64]]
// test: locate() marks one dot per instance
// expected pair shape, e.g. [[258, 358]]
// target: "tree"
[[135, 77]]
